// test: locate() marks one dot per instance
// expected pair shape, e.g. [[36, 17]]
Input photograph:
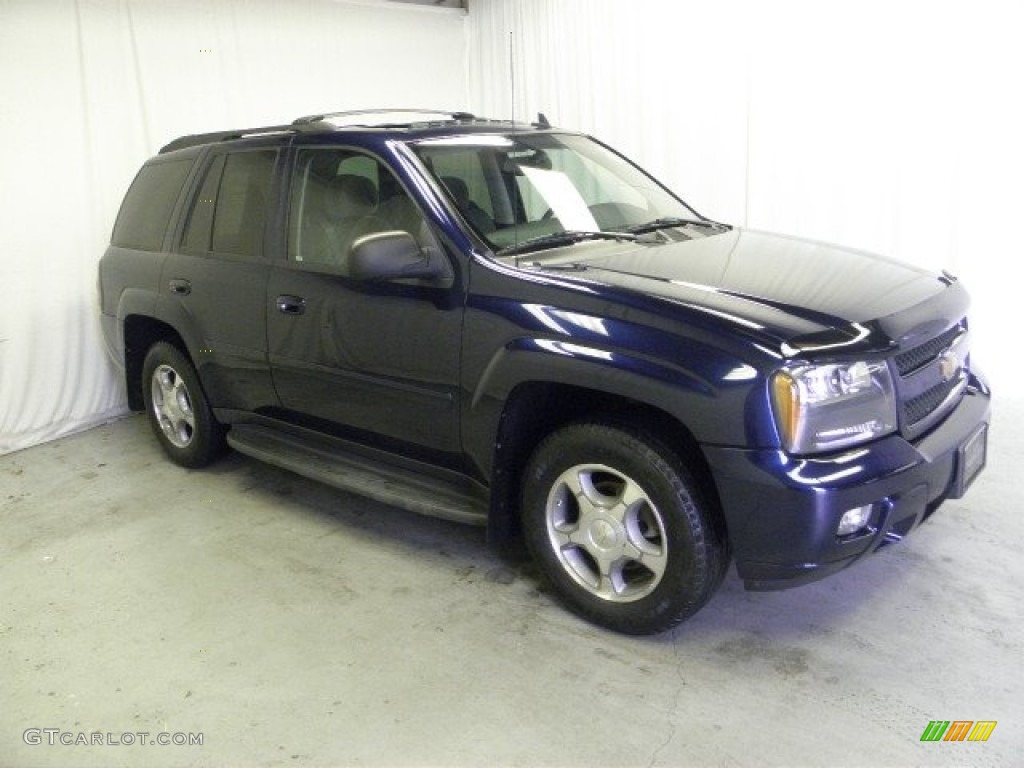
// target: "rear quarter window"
[[147, 206]]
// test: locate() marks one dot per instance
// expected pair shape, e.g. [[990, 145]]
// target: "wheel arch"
[[141, 332], [535, 409], [147, 318]]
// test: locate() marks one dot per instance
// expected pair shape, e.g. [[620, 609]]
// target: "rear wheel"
[[177, 408], [618, 526]]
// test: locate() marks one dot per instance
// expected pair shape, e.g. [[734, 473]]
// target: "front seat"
[[474, 214], [352, 207], [340, 209]]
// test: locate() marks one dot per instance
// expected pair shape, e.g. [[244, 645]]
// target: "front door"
[[372, 358]]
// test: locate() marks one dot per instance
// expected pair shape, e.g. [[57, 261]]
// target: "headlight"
[[827, 407]]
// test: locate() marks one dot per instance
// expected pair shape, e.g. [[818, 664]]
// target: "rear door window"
[[200, 217], [229, 210]]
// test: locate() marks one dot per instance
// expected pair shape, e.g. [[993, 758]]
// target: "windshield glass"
[[518, 188]]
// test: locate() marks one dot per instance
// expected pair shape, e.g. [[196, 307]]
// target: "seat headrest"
[[458, 189], [357, 194]]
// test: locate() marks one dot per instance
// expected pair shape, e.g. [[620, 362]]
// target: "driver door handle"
[[290, 305]]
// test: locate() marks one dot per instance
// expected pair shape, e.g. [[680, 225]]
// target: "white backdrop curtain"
[[890, 125], [90, 88]]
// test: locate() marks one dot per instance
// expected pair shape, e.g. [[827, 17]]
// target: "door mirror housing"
[[392, 255]]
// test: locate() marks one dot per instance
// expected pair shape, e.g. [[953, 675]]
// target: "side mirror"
[[390, 256]]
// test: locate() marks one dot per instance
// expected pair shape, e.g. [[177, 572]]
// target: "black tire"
[[177, 408], [617, 524]]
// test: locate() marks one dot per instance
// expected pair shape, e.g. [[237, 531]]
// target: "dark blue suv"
[[515, 326]]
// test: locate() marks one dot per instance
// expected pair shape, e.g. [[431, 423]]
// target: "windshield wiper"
[[572, 266], [673, 221], [562, 238]]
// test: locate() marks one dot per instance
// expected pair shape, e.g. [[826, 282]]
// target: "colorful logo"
[[958, 730]]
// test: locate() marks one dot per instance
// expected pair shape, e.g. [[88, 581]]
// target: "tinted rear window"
[[228, 211], [147, 207], [242, 202]]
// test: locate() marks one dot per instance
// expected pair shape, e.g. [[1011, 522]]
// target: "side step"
[[328, 462]]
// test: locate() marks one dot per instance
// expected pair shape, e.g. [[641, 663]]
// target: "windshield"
[[532, 188]]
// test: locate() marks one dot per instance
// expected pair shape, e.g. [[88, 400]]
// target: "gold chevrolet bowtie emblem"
[[949, 365]]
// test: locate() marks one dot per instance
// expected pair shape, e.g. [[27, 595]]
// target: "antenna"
[[512, 73], [515, 185]]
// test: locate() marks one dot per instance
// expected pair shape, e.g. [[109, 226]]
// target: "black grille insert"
[[909, 361], [924, 404]]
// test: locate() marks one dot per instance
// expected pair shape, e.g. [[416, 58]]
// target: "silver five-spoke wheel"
[[607, 532], [620, 527], [172, 406], [178, 411]]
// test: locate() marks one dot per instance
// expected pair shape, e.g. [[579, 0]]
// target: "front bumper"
[[782, 512]]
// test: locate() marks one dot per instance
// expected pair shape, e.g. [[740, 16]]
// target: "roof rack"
[[358, 114], [321, 122]]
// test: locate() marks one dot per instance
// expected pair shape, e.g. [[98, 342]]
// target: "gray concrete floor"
[[293, 624]]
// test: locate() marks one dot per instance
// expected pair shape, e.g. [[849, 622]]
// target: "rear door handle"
[[181, 287], [291, 305]]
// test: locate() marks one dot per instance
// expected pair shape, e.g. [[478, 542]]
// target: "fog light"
[[853, 520]]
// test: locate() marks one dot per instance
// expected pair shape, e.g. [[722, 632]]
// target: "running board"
[[329, 463]]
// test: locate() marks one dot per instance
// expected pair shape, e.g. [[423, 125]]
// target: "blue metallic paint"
[[692, 329]]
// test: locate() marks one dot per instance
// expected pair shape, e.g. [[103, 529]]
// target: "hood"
[[790, 287]]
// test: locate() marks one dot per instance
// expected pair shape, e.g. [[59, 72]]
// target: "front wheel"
[[176, 405], [619, 527]]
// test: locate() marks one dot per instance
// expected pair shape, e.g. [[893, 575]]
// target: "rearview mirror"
[[392, 255]]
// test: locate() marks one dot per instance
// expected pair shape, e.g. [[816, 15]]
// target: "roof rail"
[[324, 121], [357, 114], [196, 139]]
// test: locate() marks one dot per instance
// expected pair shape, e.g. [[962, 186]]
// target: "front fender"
[[718, 399]]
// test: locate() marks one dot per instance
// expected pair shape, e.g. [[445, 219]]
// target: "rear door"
[[362, 358], [215, 279]]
